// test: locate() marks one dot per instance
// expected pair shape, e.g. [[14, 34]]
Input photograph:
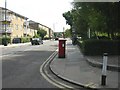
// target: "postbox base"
[[61, 56]]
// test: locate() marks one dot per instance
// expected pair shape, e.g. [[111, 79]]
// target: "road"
[[21, 65]]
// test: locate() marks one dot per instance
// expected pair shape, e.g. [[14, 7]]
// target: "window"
[[13, 16], [21, 27], [16, 17], [16, 27], [21, 19], [11, 25]]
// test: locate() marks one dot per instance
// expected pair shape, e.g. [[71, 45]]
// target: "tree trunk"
[[108, 35], [112, 35]]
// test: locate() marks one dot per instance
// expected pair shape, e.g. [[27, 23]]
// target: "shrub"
[[98, 47], [36, 36], [25, 39], [3, 39], [117, 38], [103, 38]]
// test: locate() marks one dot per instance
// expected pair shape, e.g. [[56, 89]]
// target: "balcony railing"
[[26, 31], [8, 30], [8, 19]]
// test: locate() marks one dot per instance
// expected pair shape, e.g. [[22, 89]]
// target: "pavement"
[[78, 69], [82, 70]]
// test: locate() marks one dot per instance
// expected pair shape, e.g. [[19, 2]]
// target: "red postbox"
[[62, 45]]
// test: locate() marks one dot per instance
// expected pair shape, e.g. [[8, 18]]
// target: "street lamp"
[[54, 28], [63, 32], [5, 42]]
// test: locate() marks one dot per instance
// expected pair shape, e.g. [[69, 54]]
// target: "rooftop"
[[12, 12]]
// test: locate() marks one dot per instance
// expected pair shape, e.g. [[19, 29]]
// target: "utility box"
[[62, 46]]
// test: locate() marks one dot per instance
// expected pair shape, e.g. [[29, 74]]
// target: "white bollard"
[[104, 69]]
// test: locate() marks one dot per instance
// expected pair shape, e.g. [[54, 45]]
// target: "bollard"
[[104, 69]]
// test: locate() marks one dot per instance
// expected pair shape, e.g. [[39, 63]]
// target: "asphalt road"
[[21, 66]]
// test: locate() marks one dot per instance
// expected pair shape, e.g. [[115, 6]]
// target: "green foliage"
[[36, 36], [25, 39], [58, 34], [98, 47], [2, 40], [67, 33], [41, 32], [55, 35], [100, 17], [69, 18]]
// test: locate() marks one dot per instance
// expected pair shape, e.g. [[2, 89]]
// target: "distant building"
[[35, 26], [32, 28], [48, 30]]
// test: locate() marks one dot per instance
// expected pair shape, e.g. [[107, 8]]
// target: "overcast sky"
[[47, 12]]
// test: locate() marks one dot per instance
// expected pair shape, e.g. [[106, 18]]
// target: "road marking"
[[91, 85], [4, 56], [27, 49], [46, 77]]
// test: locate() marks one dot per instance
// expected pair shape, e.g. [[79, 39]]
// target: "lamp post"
[[63, 32], [54, 28], [5, 42]]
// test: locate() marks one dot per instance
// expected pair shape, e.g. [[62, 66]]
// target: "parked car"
[[16, 40], [56, 38], [36, 41]]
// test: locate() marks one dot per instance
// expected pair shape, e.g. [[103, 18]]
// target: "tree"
[[41, 32], [99, 17], [67, 33], [110, 12], [69, 18]]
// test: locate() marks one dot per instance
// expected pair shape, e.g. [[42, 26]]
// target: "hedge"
[[15, 40], [98, 47]]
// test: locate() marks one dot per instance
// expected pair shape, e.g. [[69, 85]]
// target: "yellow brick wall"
[[32, 32], [17, 26]]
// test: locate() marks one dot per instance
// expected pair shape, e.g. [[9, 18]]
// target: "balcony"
[[26, 31], [8, 31], [8, 20]]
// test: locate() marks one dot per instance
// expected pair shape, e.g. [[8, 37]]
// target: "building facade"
[[34, 26], [13, 26], [48, 30]]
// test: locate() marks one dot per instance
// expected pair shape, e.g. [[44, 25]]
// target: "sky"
[[46, 12]]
